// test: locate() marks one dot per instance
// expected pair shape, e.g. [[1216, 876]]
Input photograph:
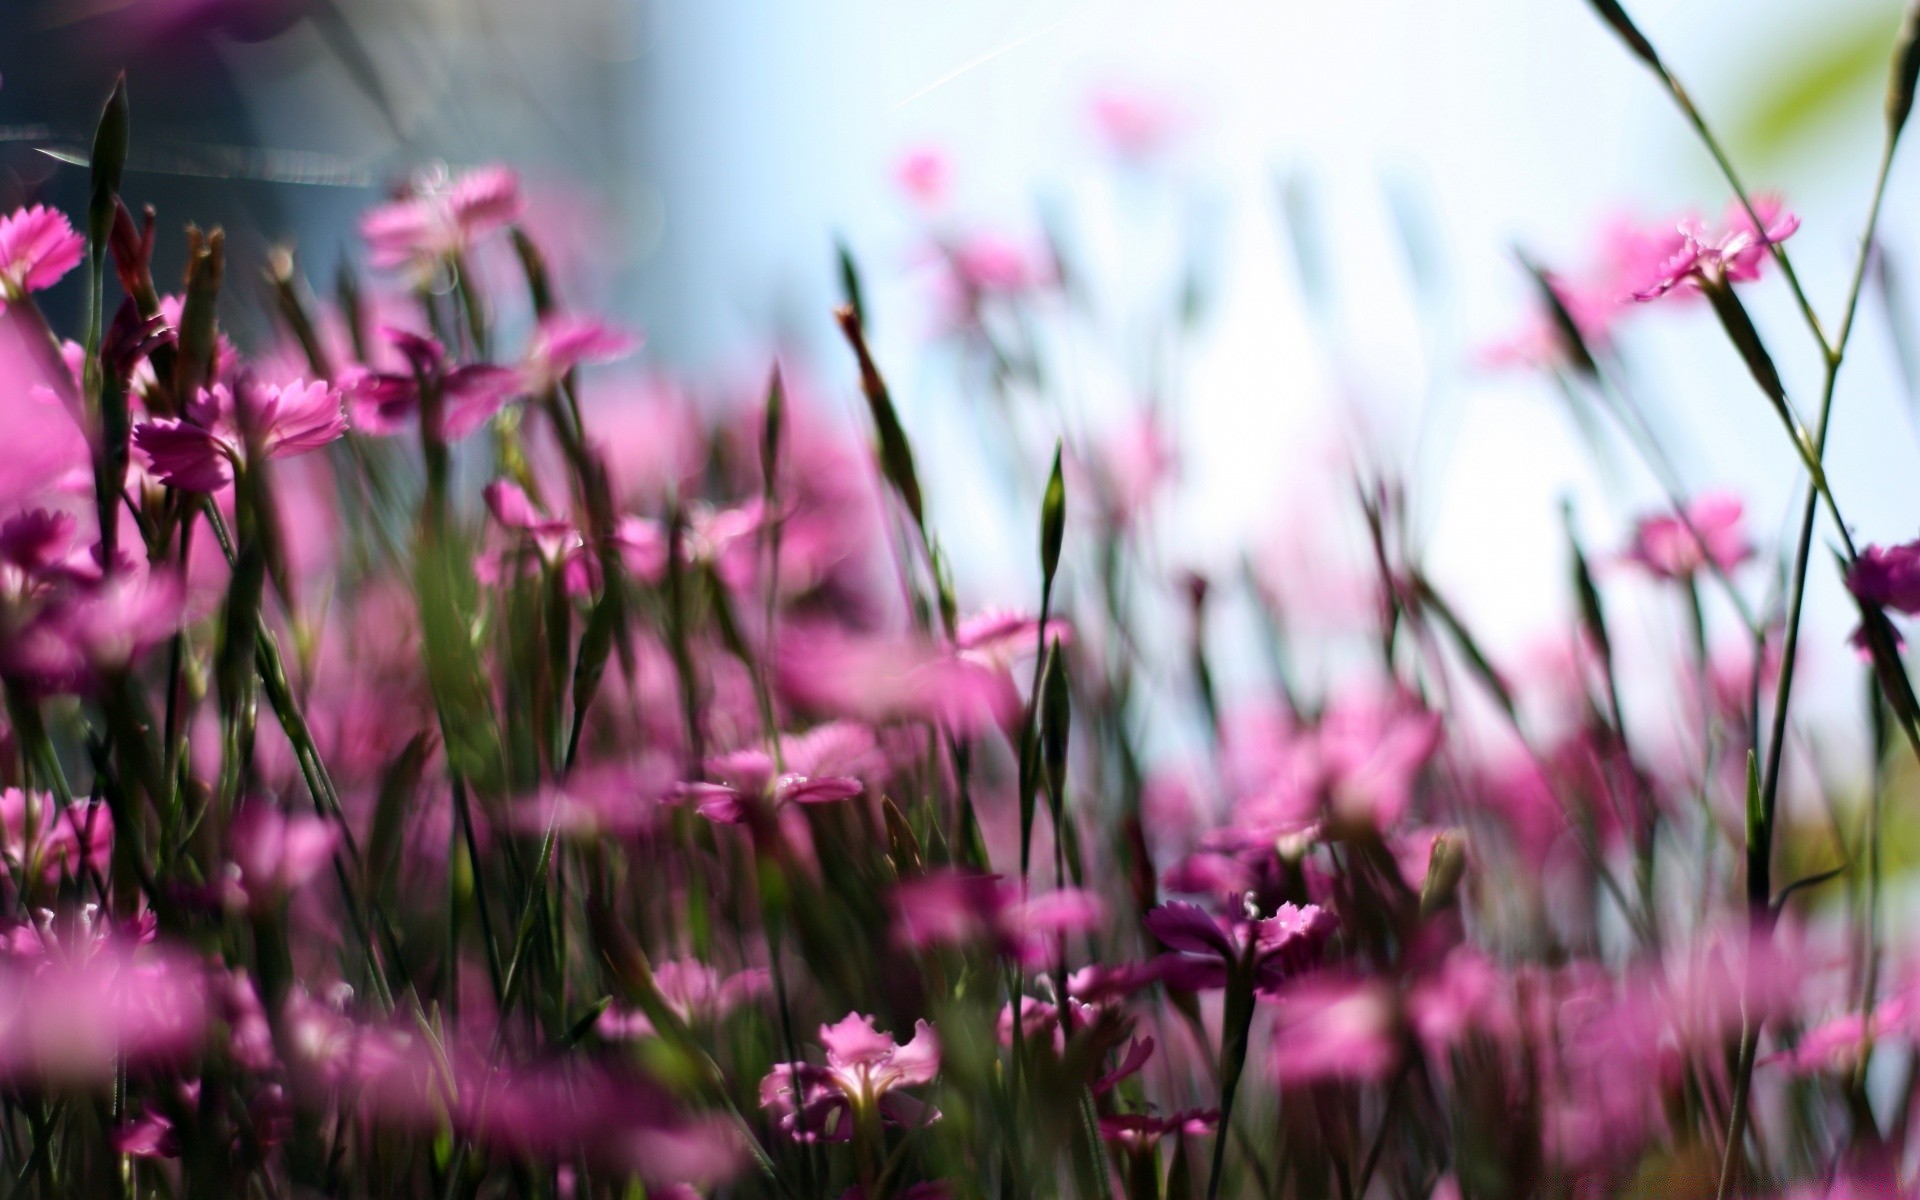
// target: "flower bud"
[[1053, 521]]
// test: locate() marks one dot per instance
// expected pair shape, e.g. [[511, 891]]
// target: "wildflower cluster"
[[412, 789]]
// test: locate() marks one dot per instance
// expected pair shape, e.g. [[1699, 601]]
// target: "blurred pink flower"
[[51, 843], [748, 779], [1139, 1133], [37, 247], [199, 452], [71, 1020], [1333, 1029], [957, 908], [924, 173], [278, 853], [1888, 576], [1669, 549], [389, 402], [562, 343], [1133, 123], [695, 992], [862, 1078], [443, 218]]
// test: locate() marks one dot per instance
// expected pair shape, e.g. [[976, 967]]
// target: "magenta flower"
[[1334, 1029], [747, 780], [956, 908], [1732, 253], [50, 843], [384, 402], [200, 451], [695, 992], [71, 1020], [860, 1082], [563, 343], [1206, 951], [37, 246], [1888, 576], [66, 627], [1138, 1133], [277, 853], [1667, 546], [442, 219]]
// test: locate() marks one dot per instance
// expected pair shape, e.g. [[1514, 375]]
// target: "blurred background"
[[1293, 226]]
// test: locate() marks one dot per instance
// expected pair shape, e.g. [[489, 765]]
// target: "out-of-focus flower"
[[277, 853], [384, 402], [49, 842], [1731, 253], [924, 174], [746, 778], [64, 627], [1888, 576], [200, 451], [38, 246], [69, 1021], [1675, 547], [1207, 950], [695, 992], [1133, 123], [1334, 1029], [1138, 1133], [958, 908], [563, 343], [442, 219], [862, 1080]]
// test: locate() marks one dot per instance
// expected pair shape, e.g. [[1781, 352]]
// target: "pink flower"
[[1133, 123], [1668, 548], [1334, 1029], [747, 779], [1206, 951], [443, 218], [1139, 1133], [200, 451], [924, 174], [1732, 253], [562, 343], [695, 992], [70, 627], [37, 246], [1888, 576], [389, 402], [861, 1080], [958, 908], [278, 854], [50, 843], [70, 1020]]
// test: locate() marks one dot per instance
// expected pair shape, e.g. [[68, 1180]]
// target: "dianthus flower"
[[562, 343], [1888, 576], [37, 247], [385, 402], [1731, 253], [861, 1081], [442, 219], [695, 992], [199, 452], [1207, 950], [1675, 547], [748, 777], [959, 908]]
